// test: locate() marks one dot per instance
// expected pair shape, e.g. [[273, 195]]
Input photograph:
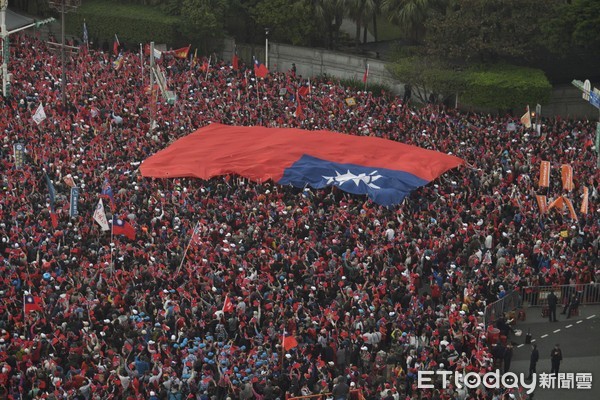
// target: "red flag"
[[235, 60], [260, 70], [121, 227], [183, 52], [196, 234], [116, 45], [366, 74], [54, 219], [147, 49], [32, 303], [289, 342], [303, 91], [227, 305], [299, 111]]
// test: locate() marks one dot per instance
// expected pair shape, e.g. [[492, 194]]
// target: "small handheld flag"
[[32, 303], [227, 305], [121, 227], [39, 115], [116, 45], [526, 119]]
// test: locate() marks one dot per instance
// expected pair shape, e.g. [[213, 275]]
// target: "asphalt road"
[[579, 340]]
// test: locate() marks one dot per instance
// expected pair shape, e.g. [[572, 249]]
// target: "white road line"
[[543, 336], [533, 340], [580, 321], [591, 316], [556, 331], [568, 326], [521, 345]]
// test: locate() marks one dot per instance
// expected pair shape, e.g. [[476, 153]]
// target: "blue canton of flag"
[[382, 185]]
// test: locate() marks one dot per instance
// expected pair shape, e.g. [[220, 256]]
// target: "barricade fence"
[[510, 302], [534, 296]]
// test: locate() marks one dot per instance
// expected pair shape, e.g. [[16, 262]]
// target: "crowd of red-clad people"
[[365, 295]]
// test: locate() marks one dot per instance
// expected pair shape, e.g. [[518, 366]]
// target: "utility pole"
[[267, 47], [63, 7]]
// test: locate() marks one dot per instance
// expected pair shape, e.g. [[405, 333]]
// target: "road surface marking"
[[556, 331], [521, 345], [580, 321], [568, 326], [533, 340], [543, 336], [591, 316]]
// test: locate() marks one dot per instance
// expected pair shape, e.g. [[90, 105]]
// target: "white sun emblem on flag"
[[367, 179]]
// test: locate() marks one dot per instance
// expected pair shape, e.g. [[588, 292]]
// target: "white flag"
[[157, 54], [100, 216], [39, 115]]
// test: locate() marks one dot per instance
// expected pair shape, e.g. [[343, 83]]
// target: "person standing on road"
[[508, 353], [552, 301], [535, 356], [555, 358]]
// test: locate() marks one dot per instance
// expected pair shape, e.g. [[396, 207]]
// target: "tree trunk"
[[365, 31], [375, 36], [357, 37]]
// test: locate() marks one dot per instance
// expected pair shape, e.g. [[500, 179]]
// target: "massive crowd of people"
[[370, 294]]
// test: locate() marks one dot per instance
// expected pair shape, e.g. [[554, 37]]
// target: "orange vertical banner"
[[558, 203], [544, 174], [570, 208], [542, 203], [566, 172], [585, 201]]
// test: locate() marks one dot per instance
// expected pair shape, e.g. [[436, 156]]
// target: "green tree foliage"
[[328, 14], [361, 11], [575, 25], [131, 22], [203, 21], [505, 87], [288, 23], [411, 15], [499, 86], [426, 75], [488, 30]]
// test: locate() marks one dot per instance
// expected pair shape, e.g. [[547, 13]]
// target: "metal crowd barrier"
[[510, 302], [588, 293]]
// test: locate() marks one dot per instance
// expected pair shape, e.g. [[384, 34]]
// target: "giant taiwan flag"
[[385, 170]]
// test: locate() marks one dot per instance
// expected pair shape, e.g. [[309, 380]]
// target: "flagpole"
[[186, 250], [208, 67], [142, 63]]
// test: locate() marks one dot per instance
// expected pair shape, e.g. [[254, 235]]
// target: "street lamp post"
[[63, 7], [267, 47]]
